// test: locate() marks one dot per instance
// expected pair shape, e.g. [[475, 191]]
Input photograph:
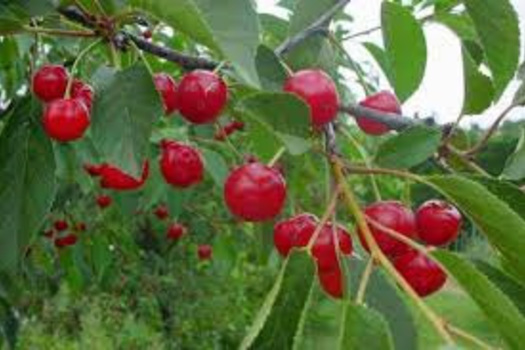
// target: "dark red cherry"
[[181, 165], [394, 216], [167, 87], [93, 169], [202, 96], [83, 93], [147, 34], [383, 101], [66, 241], [204, 252], [116, 179], [175, 231], [255, 192], [324, 249], [65, 119], [50, 82], [60, 225], [104, 201], [422, 274], [162, 212], [318, 90], [438, 222], [294, 232], [332, 281]]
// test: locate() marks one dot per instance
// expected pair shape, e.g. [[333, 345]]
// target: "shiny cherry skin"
[[50, 82], [181, 165], [255, 192], [66, 241], [104, 201], [331, 281], [324, 249], [168, 89], [204, 252], [60, 225], [202, 96], [395, 216], [294, 232], [65, 119], [83, 93], [175, 231], [383, 101], [162, 212], [319, 92], [114, 178], [422, 274], [438, 222]]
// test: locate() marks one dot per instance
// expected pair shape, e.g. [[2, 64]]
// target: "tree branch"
[[317, 27]]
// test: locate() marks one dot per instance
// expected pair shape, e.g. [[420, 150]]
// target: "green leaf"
[[126, 105], [461, 24], [14, 14], [409, 148], [479, 91], [272, 74], [504, 228], [381, 58], [507, 192], [497, 26], [364, 328], [230, 27], [405, 47], [279, 319], [515, 166], [498, 308], [215, 165], [27, 180]]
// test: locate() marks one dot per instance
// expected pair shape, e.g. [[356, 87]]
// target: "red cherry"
[[202, 96], [104, 201], [93, 169], [162, 212], [49, 233], [423, 274], [180, 164], [114, 178], [81, 226], [147, 34], [332, 281], [176, 231], [383, 101], [204, 252], [395, 216], [318, 90], [293, 232], [255, 192], [438, 222], [65, 119], [82, 92], [324, 249], [50, 82], [167, 87], [228, 129], [66, 241], [60, 225]]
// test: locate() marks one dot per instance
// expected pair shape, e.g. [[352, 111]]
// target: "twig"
[[317, 27]]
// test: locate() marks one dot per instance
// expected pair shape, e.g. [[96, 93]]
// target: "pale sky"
[[442, 89]]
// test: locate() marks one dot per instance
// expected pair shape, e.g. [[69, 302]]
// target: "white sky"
[[441, 92]]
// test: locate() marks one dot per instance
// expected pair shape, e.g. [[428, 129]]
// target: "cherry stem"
[[324, 219], [276, 157], [142, 57], [74, 68], [219, 67], [468, 336], [466, 161], [365, 278]]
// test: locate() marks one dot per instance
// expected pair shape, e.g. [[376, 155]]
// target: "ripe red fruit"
[[167, 87], [421, 273], [60, 225], [294, 232], [147, 34], [114, 178], [204, 252], [162, 212], [50, 82], [255, 192], [65, 119], [83, 93], [175, 231], [68, 240], [319, 92], [93, 169], [383, 101], [438, 222], [395, 216], [324, 249], [332, 281], [104, 201], [180, 164], [202, 96]]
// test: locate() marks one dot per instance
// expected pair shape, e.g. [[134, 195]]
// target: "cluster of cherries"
[[58, 234]]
